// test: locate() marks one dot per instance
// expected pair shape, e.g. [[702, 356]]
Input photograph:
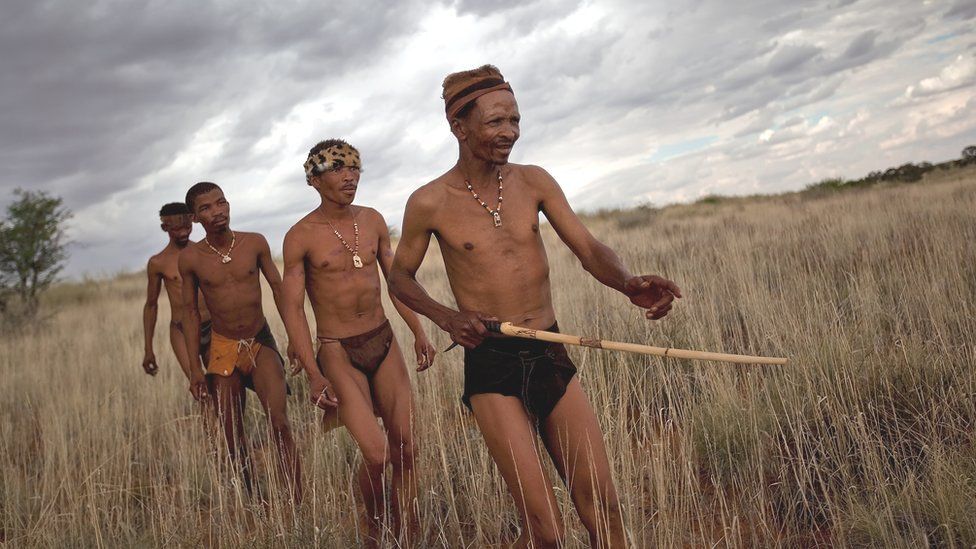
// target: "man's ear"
[[457, 128], [163, 227]]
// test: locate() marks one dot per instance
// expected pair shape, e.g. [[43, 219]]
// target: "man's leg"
[[511, 440], [356, 413], [178, 342], [391, 394], [573, 438], [268, 377], [227, 395], [331, 419]]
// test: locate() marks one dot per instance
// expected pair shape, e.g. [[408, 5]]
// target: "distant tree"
[[830, 184], [910, 172], [32, 246], [969, 154], [6, 283]]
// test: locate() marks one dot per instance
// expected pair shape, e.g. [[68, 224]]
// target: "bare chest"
[[332, 254], [170, 272], [466, 227], [214, 273]]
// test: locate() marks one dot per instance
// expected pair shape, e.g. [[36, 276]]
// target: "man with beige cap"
[[497, 267]]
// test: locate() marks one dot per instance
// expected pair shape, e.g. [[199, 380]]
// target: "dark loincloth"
[[537, 372]]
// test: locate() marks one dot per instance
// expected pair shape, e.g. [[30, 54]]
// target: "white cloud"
[[961, 72]]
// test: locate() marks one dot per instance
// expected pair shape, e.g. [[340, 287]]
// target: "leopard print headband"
[[332, 158]]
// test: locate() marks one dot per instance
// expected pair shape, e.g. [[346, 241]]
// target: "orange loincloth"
[[227, 354]]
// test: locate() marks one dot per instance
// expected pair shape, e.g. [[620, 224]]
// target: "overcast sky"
[[120, 106]]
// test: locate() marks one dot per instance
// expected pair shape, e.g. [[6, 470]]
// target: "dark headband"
[[461, 99]]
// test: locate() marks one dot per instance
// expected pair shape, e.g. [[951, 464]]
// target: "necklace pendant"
[[357, 261], [225, 259], [498, 218]]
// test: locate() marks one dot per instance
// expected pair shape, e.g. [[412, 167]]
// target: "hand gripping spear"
[[512, 330]]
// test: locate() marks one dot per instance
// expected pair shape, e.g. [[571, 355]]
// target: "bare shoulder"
[[425, 200], [188, 255], [243, 236], [251, 239], [369, 215], [535, 176], [154, 263], [298, 233]]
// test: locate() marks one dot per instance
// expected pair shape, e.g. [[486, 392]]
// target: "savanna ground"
[[866, 439]]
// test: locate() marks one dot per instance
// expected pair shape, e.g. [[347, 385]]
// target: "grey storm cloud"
[[119, 106], [962, 9], [109, 91]]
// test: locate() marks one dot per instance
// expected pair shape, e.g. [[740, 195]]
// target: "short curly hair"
[[196, 190], [174, 208]]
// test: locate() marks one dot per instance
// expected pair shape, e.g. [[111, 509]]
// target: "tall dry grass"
[[865, 440]]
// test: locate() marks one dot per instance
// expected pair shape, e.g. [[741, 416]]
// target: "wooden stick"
[[510, 329]]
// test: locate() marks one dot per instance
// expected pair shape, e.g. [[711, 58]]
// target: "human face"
[[212, 210], [338, 185], [492, 127], [178, 227]]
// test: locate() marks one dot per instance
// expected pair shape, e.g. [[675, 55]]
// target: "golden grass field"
[[866, 439]]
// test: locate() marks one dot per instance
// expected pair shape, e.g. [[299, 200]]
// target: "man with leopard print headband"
[[497, 268], [336, 253], [331, 158]]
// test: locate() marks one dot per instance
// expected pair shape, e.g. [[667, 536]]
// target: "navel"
[[535, 227]]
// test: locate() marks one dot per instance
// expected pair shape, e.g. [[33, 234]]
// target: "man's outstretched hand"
[[653, 293]]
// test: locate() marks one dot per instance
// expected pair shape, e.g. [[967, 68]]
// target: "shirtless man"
[[224, 266], [163, 272], [497, 267], [333, 252]]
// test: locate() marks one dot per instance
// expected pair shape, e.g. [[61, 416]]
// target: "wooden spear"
[[512, 330]]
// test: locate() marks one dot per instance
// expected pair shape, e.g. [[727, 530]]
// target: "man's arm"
[[296, 323], [651, 292], [384, 254], [466, 328], [149, 313], [270, 272], [191, 324]]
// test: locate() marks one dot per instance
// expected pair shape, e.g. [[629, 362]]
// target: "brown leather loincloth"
[[368, 350]]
